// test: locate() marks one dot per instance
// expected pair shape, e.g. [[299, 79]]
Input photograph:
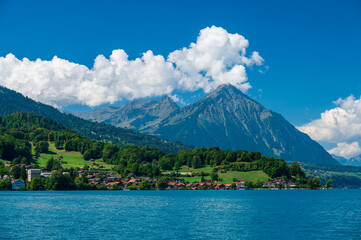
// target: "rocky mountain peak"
[[168, 101]]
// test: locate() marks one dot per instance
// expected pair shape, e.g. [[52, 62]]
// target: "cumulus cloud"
[[217, 57], [341, 125], [346, 150]]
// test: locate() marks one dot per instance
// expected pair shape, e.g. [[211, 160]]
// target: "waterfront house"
[[17, 184], [240, 184]]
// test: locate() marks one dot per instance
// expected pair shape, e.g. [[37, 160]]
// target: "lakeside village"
[[29, 178]]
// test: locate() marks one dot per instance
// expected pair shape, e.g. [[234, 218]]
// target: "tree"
[[60, 181], [5, 185], [295, 169], [59, 144], [196, 162], [248, 184], [177, 165], [144, 185], [316, 183], [214, 177], [258, 184], [231, 156], [3, 170], [233, 186], [165, 164], [313, 183], [36, 184], [16, 172], [23, 174], [50, 163], [162, 183], [328, 184], [41, 147]]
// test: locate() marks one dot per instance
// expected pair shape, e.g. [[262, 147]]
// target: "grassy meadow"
[[72, 159], [227, 177]]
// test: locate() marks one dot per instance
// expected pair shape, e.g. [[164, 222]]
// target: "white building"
[[33, 173]]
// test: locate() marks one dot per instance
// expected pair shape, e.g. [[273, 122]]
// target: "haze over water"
[[286, 214]]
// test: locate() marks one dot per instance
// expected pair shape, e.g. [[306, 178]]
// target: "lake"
[[259, 214]]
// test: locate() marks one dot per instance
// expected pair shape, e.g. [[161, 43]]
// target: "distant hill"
[[12, 102], [355, 161], [226, 118]]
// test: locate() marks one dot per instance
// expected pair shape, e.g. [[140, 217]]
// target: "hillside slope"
[[12, 102]]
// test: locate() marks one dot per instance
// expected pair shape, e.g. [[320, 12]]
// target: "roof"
[[18, 180]]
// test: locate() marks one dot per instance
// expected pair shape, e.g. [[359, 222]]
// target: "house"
[[124, 183], [269, 184], [118, 177], [133, 182], [220, 186], [45, 174], [240, 184], [111, 184], [6, 177], [292, 184], [17, 184], [172, 185], [33, 173]]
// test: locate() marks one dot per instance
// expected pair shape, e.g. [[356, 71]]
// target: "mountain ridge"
[[232, 120]]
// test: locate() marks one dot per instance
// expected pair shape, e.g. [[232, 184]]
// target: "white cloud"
[[216, 58], [340, 124], [221, 56], [346, 150], [176, 98]]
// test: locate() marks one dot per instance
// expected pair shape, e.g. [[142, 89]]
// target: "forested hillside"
[[12, 102]]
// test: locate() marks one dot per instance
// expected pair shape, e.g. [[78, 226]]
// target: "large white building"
[[33, 173]]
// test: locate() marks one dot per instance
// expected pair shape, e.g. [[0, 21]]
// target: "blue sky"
[[311, 48]]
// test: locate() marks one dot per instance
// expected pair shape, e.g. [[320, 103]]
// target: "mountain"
[[355, 161], [140, 115], [12, 102], [231, 120]]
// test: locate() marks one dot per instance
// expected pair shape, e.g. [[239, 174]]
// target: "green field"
[[72, 159], [227, 177]]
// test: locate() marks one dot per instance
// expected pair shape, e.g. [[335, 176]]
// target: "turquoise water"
[[286, 214]]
